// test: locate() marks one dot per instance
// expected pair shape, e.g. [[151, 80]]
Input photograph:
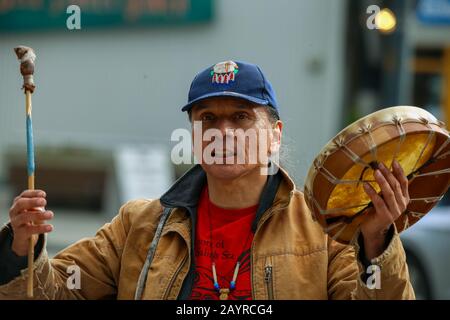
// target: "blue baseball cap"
[[232, 79]]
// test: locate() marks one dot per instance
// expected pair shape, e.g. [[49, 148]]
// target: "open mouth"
[[223, 154]]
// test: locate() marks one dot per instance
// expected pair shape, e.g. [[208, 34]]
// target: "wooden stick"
[[26, 56]]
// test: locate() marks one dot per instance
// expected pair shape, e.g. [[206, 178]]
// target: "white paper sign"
[[143, 171]]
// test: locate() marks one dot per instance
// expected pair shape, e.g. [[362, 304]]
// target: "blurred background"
[[110, 86]]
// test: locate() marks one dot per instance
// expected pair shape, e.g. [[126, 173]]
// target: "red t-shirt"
[[231, 237]]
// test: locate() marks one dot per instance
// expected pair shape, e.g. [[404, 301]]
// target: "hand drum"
[[415, 138]]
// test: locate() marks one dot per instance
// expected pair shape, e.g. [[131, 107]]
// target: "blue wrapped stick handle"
[[30, 147]]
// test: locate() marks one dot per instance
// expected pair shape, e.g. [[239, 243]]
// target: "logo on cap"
[[224, 72]]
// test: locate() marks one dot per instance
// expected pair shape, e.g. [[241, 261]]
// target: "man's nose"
[[226, 128]]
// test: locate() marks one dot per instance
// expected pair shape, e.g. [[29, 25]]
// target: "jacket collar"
[[185, 192]]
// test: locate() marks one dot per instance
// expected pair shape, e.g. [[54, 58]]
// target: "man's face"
[[235, 138]]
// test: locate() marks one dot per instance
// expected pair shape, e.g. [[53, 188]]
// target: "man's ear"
[[277, 133]]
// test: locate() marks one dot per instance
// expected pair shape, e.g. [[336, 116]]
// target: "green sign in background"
[[30, 15]]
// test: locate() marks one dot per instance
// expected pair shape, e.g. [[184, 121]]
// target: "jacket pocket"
[[268, 277]]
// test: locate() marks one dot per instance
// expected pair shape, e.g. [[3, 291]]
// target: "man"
[[226, 229]]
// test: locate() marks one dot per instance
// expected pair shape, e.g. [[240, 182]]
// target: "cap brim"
[[225, 94]]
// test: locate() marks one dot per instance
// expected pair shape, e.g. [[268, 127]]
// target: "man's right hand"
[[28, 215]]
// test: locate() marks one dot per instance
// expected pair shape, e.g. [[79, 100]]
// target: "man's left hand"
[[386, 208]]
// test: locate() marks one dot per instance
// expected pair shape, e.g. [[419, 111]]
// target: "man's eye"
[[207, 117], [241, 116]]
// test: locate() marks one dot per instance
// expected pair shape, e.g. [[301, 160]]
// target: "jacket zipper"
[[175, 275], [268, 215], [268, 280], [252, 263]]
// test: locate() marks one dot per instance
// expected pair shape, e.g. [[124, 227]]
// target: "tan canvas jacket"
[[148, 247]]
